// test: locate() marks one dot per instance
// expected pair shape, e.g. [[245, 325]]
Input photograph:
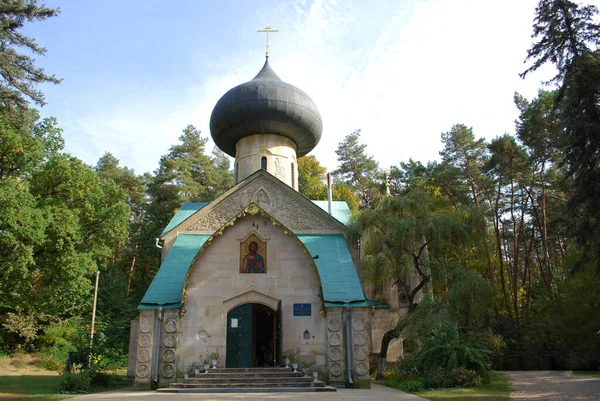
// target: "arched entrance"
[[252, 336]]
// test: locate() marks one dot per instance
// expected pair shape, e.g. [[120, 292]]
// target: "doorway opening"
[[252, 337]]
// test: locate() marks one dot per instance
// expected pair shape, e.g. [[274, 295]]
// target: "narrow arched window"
[[293, 175], [263, 163]]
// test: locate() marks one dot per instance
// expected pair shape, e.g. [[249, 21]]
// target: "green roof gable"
[[339, 280], [339, 210], [167, 286], [185, 211]]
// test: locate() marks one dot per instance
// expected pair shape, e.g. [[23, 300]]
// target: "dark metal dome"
[[266, 105]]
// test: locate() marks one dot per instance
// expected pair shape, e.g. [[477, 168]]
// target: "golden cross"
[[267, 30]]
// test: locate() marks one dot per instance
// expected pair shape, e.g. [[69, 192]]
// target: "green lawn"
[[587, 372], [497, 390], [30, 387]]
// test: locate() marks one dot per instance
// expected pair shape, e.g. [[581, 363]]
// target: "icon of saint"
[[253, 262]]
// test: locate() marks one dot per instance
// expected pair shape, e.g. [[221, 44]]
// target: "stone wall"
[[215, 286]]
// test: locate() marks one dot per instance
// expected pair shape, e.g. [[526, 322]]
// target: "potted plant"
[[315, 373], [295, 361], [206, 364], [214, 356], [196, 368], [286, 360]]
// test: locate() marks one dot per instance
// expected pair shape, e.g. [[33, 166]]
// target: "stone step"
[[258, 379], [254, 380], [248, 384], [247, 390], [247, 375], [245, 370]]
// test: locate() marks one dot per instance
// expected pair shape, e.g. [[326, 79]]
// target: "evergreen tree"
[[569, 38], [357, 170], [18, 73]]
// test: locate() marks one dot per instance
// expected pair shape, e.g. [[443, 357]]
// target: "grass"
[[21, 378], [587, 372], [497, 390]]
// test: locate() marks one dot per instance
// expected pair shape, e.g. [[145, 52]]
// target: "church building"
[[262, 272]]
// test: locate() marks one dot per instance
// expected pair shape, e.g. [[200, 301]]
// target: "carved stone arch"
[[263, 199], [252, 210], [250, 297]]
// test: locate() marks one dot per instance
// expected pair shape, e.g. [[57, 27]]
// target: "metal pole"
[[93, 318]]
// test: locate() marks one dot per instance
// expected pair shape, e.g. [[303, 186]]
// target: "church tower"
[[266, 124]]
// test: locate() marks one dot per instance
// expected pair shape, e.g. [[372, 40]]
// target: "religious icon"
[[253, 261]]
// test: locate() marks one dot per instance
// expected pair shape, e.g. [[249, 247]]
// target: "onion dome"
[[266, 105]]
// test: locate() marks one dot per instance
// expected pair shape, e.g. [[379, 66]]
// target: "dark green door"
[[239, 337]]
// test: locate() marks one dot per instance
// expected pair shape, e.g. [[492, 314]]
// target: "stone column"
[[133, 340], [145, 350], [168, 351], [360, 347], [336, 360]]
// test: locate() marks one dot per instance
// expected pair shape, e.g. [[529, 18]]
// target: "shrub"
[[463, 378], [75, 382]]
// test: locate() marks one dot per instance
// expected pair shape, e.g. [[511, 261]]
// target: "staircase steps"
[[251, 380]]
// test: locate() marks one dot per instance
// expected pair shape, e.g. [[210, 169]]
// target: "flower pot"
[[287, 363], [295, 366], [186, 376], [206, 366], [214, 363], [316, 377], [196, 372]]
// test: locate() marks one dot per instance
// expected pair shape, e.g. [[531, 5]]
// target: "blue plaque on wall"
[[302, 310]]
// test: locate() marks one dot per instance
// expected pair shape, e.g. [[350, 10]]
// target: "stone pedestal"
[[145, 347]]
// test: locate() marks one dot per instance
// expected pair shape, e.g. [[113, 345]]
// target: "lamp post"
[[93, 318]]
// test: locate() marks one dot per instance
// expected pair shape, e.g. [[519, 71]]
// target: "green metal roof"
[[185, 211], [167, 286], [339, 210], [339, 280]]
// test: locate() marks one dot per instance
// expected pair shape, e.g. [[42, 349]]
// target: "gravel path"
[[553, 385]]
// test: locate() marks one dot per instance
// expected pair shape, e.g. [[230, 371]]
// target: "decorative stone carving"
[[279, 169], [170, 326], [203, 335], [169, 355], [262, 199], [291, 211], [144, 351], [168, 370], [362, 369], [335, 339], [336, 369], [143, 355], [145, 340], [360, 351], [360, 339], [170, 340], [142, 371], [246, 168], [335, 354], [358, 324], [360, 354], [146, 324], [335, 360], [334, 324]]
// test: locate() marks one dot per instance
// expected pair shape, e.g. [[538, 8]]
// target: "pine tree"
[[18, 73]]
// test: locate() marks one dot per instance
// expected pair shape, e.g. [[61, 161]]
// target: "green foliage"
[[18, 73], [357, 170], [76, 382], [311, 178]]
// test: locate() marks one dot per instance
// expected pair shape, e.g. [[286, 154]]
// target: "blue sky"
[[137, 72]]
